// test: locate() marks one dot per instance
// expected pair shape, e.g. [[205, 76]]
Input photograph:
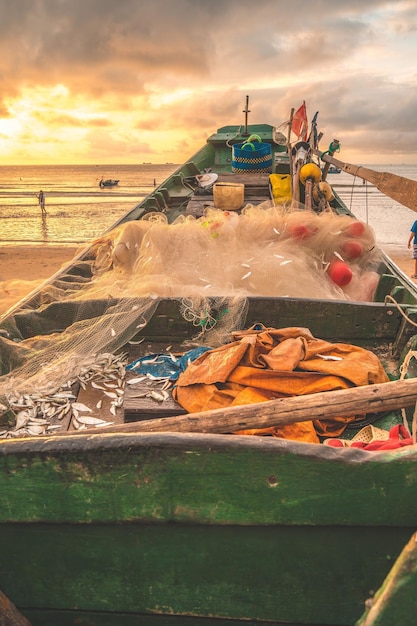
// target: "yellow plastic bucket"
[[228, 196]]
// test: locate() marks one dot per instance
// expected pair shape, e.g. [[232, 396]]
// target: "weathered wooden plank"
[[325, 405], [349, 322], [203, 479], [139, 403], [100, 405], [250, 179], [199, 204], [326, 319], [233, 568]]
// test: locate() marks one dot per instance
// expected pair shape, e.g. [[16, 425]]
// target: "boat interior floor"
[[150, 398], [256, 191]]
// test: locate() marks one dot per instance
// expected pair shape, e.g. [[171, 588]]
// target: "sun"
[[47, 125]]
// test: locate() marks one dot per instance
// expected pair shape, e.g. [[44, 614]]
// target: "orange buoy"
[[340, 273], [352, 249]]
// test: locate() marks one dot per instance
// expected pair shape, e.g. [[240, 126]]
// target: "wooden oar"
[[9, 615], [396, 595], [376, 398], [401, 189]]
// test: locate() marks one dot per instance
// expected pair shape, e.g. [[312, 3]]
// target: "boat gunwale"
[[212, 442]]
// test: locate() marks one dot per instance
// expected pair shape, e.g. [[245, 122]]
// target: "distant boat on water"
[[334, 170], [108, 183]]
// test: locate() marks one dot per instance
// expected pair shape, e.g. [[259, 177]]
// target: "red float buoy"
[[340, 273], [352, 249], [355, 229], [300, 231]]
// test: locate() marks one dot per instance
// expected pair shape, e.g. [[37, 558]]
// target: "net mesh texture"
[[211, 263]]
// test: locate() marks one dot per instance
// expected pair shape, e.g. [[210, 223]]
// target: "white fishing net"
[[210, 264], [264, 251]]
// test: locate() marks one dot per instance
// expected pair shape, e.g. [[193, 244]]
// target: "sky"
[[132, 81]]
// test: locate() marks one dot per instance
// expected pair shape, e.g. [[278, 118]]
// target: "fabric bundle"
[[262, 364]]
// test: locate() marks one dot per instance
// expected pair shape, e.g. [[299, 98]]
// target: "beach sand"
[[33, 262], [24, 267]]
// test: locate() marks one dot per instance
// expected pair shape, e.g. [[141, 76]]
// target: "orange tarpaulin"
[[265, 363]]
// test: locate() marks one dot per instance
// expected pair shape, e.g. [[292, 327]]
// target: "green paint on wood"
[[204, 479], [291, 574]]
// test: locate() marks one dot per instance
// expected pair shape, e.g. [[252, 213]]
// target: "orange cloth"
[[261, 365]]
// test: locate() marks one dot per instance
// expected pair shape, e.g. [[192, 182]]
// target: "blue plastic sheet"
[[165, 365]]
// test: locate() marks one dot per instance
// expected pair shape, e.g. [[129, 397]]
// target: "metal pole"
[[246, 111]]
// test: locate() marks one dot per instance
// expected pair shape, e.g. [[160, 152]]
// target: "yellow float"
[[322, 190], [310, 171]]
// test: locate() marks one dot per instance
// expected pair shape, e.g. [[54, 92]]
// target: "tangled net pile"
[[213, 262]]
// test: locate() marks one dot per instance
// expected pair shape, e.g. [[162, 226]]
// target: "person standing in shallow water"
[[41, 199], [413, 238]]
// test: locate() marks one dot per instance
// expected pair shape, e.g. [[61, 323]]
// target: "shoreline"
[[24, 266], [401, 256]]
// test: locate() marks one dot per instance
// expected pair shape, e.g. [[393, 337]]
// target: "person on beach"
[[41, 199], [413, 238]]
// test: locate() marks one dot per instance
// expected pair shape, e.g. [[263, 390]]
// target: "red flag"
[[299, 122]]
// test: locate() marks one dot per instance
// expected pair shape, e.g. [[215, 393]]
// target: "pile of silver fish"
[[43, 413]]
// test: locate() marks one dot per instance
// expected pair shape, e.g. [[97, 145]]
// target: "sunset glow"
[[132, 87]]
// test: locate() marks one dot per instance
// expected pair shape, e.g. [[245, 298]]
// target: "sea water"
[[390, 220], [78, 210]]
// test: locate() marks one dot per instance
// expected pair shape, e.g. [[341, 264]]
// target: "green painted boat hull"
[[199, 525]]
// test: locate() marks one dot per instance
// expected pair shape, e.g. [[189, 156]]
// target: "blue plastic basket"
[[251, 156]]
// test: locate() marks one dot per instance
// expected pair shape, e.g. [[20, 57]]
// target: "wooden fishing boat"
[[122, 506]]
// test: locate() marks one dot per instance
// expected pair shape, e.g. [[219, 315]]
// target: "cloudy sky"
[[127, 81]]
